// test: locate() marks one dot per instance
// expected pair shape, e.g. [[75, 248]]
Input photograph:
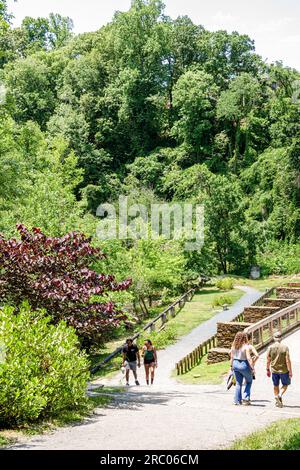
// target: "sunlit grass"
[[282, 435], [205, 374], [265, 283]]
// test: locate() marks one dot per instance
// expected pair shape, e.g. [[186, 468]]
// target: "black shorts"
[[149, 362]]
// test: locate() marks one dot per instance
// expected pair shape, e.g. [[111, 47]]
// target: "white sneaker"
[[246, 402], [278, 402]]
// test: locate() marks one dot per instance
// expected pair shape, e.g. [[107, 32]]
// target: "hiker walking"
[[279, 363], [150, 360], [243, 357], [131, 358]]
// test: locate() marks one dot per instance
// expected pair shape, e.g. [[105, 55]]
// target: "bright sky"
[[273, 24]]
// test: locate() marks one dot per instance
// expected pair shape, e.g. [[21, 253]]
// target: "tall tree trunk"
[[237, 147]]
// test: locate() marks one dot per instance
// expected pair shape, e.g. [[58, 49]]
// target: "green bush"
[[280, 259], [160, 339], [41, 367], [226, 283], [221, 300]]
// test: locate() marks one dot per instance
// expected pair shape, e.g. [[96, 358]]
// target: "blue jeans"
[[242, 370]]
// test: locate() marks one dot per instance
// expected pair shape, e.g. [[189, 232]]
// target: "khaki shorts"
[[132, 366]]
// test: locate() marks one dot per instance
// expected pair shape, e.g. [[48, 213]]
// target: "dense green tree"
[[237, 106], [225, 56], [195, 96], [155, 108]]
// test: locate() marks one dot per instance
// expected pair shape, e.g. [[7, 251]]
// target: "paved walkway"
[[175, 416]]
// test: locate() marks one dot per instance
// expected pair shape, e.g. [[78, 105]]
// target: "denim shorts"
[[284, 378]]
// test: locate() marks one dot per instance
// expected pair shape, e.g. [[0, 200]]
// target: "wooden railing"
[[269, 293], [287, 319], [163, 317], [194, 358]]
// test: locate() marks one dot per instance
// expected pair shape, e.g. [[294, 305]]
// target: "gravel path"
[[174, 416]]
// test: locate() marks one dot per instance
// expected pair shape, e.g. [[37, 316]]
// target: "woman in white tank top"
[[243, 358]]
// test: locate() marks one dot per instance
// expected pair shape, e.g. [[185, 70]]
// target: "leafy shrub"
[[56, 274], [221, 300], [160, 339], [41, 373], [226, 283], [280, 259]]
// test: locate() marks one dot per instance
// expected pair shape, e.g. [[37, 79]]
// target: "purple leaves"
[[55, 274]]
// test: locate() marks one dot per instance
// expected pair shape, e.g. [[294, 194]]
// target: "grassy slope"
[[205, 374], [200, 309], [265, 283], [281, 435]]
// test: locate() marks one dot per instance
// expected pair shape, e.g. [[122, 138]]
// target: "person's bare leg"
[[277, 397], [147, 373], [127, 376], [283, 390], [152, 375]]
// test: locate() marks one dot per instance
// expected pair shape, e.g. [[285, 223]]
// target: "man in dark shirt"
[[131, 356]]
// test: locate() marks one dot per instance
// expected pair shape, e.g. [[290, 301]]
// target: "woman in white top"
[[243, 358]]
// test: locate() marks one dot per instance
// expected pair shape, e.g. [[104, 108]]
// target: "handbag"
[[231, 380]]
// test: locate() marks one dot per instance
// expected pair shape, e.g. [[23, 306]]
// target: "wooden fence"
[[268, 293], [193, 359], [285, 320]]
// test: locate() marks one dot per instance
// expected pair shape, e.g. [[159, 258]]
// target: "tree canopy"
[[152, 104]]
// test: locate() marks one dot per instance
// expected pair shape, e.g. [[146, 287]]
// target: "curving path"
[[174, 416]]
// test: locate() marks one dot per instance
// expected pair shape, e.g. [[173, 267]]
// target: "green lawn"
[[200, 309], [263, 284], [282, 435], [205, 374]]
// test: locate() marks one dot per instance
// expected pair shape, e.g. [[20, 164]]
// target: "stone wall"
[[255, 314], [280, 303], [226, 332], [216, 355], [288, 292]]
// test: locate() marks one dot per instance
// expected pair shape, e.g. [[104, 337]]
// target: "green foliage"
[[155, 266], [195, 94], [221, 300], [160, 339], [41, 177], [279, 258], [225, 283], [42, 373], [155, 106]]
